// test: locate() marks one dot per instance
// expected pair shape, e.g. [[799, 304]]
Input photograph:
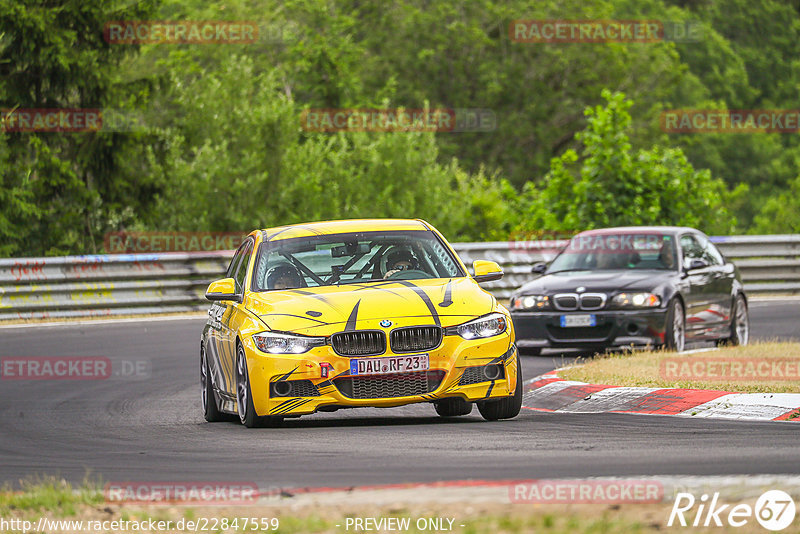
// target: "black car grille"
[[359, 343], [582, 333], [389, 386], [415, 338], [300, 388], [593, 301], [575, 301], [566, 302]]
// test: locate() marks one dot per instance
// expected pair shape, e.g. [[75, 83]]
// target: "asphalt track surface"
[[149, 428]]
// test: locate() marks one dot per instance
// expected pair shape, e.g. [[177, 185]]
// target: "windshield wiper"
[[565, 271]]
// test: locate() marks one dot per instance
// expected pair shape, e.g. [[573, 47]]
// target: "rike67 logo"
[[774, 510]]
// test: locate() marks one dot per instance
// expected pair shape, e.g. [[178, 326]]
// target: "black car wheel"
[[675, 338], [209, 403], [506, 408], [453, 407], [244, 396]]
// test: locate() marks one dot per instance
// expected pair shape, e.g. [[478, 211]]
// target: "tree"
[[609, 184]]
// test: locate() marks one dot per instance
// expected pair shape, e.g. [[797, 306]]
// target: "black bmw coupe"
[[632, 286]]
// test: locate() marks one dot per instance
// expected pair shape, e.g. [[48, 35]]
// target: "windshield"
[[352, 258], [617, 251]]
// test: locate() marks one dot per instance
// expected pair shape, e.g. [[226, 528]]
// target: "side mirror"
[[223, 289], [539, 268], [697, 264], [486, 271]]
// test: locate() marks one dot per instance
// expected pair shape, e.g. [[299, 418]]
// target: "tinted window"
[[599, 251], [710, 253], [692, 249], [241, 269], [237, 256]]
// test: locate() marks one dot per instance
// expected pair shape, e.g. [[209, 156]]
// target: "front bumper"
[[450, 375], [614, 328]]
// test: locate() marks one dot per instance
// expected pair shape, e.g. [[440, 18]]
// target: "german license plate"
[[568, 321], [389, 364]]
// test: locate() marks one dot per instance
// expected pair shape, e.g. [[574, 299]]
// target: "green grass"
[[47, 495]]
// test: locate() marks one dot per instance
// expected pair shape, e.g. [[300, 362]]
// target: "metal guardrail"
[[106, 285]]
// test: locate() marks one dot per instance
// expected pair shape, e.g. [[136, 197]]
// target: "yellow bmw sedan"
[[329, 315]]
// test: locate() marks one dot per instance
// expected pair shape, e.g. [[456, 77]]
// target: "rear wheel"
[[675, 338], [244, 396], [506, 408], [452, 407], [207, 398]]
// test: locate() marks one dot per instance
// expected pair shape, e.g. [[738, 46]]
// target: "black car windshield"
[[325, 260], [617, 251]]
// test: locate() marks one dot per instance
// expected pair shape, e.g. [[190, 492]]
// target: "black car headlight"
[[490, 325], [636, 300], [278, 343], [531, 302]]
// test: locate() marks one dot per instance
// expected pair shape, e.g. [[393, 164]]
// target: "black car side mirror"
[[697, 264], [539, 268]]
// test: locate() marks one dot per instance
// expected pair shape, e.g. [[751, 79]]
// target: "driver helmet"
[[398, 256], [284, 276]]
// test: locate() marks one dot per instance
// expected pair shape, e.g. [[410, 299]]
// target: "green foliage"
[[780, 213], [224, 149], [249, 165], [609, 184]]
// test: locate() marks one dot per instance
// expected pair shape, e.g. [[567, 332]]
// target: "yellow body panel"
[[323, 311]]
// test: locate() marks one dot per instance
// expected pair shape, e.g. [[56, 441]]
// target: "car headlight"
[[490, 325], [277, 343], [636, 300], [531, 302]]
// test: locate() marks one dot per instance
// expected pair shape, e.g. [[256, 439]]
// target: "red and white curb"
[[551, 393]]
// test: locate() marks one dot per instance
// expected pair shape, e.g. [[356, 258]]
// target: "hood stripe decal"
[[424, 296], [351, 321], [448, 291]]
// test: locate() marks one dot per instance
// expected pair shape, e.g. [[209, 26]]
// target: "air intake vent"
[[389, 386], [415, 338], [359, 343]]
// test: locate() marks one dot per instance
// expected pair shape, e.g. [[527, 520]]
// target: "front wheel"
[[453, 407], [506, 408], [244, 396], [740, 323], [675, 337]]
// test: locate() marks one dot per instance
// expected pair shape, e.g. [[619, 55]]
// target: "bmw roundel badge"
[[386, 323]]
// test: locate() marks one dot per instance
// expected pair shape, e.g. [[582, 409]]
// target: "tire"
[[452, 407], [244, 396], [506, 408], [740, 322], [530, 351], [675, 336], [208, 400]]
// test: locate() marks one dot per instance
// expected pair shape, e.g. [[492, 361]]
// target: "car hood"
[[596, 281], [326, 310]]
